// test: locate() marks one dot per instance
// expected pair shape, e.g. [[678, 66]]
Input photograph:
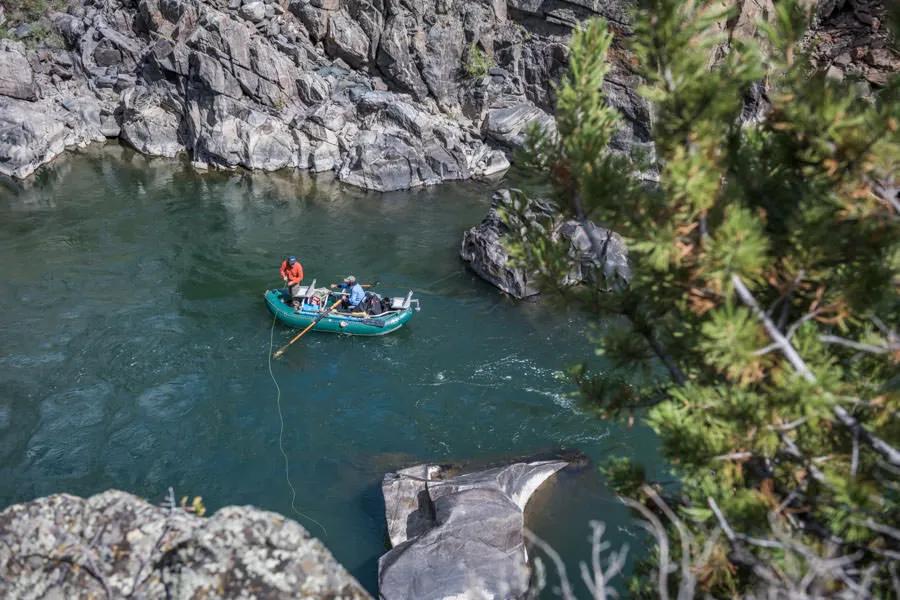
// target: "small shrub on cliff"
[[33, 13], [478, 63], [26, 11], [763, 312]]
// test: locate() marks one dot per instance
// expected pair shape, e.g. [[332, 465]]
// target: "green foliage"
[[33, 12], [791, 207], [624, 476], [28, 11], [478, 63]]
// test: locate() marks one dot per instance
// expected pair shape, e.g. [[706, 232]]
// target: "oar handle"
[[281, 350]]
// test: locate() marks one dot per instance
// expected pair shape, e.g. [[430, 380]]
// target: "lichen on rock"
[[117, 545]]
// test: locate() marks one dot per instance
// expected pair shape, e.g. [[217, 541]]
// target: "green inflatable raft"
[[396, 312]]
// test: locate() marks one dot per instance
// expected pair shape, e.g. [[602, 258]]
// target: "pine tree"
[[759, 337]]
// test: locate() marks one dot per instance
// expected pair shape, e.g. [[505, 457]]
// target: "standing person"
[[292, 274], [357, 296]]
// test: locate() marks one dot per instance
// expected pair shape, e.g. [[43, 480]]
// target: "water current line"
[[287, 474]]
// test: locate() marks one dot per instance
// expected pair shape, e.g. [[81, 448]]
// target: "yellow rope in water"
[[287, 474]]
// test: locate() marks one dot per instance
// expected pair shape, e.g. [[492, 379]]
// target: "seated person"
[[355, 297]]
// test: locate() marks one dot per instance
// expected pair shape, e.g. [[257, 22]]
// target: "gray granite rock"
[[595, 254], [399, 145], [117, 545], [313, 88], [34, 133], [16, 74], [508, 125], [315, 20], [347, 40], [458, 535], [151, 122], [253, 11]]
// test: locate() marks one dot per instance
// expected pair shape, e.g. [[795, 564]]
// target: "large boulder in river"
[[458, 535], [115, 545], [596, 254]]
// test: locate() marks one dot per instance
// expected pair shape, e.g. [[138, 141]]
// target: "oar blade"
[[308, 327]]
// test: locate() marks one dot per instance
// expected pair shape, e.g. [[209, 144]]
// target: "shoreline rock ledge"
[[116, 545], [458, 535]]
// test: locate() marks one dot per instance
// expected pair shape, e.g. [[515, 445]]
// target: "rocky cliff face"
[[388, 94], [115, 545]]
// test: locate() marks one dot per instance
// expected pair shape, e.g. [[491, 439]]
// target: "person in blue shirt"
[[356, 295]]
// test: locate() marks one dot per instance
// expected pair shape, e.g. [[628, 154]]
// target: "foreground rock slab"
[[115, 545], [595, 252], [458, 535]]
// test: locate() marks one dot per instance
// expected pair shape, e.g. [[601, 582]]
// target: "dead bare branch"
[[870, 348], [565, 586], [653, 525]]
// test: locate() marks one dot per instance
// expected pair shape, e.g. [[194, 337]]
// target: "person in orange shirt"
[[292, 274]]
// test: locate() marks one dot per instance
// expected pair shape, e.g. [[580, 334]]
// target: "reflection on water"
[[135, 338]]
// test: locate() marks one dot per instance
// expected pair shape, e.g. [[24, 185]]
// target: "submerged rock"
[[117, 545], [458, 536], [594, 252]]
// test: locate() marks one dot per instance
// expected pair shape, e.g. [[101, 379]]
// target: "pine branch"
[[658, 349], [891, 454], [783, 344]]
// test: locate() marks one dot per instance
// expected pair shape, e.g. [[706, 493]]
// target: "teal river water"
[[134, 339]]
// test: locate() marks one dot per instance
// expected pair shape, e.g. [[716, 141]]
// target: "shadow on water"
[[135, 344]]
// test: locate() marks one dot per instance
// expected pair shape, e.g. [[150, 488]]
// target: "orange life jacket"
[[294, 273]]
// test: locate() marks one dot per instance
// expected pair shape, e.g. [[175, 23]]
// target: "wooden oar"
[[364, 285], [281, 350]]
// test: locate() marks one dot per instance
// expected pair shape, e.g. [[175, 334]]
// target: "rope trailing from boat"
[[287, 473]]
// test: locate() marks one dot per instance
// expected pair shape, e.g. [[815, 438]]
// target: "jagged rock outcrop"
[[271, 84], [483, 250], [16, 75], [458, 535], [373, 91], [851, 39], [116, 545]]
